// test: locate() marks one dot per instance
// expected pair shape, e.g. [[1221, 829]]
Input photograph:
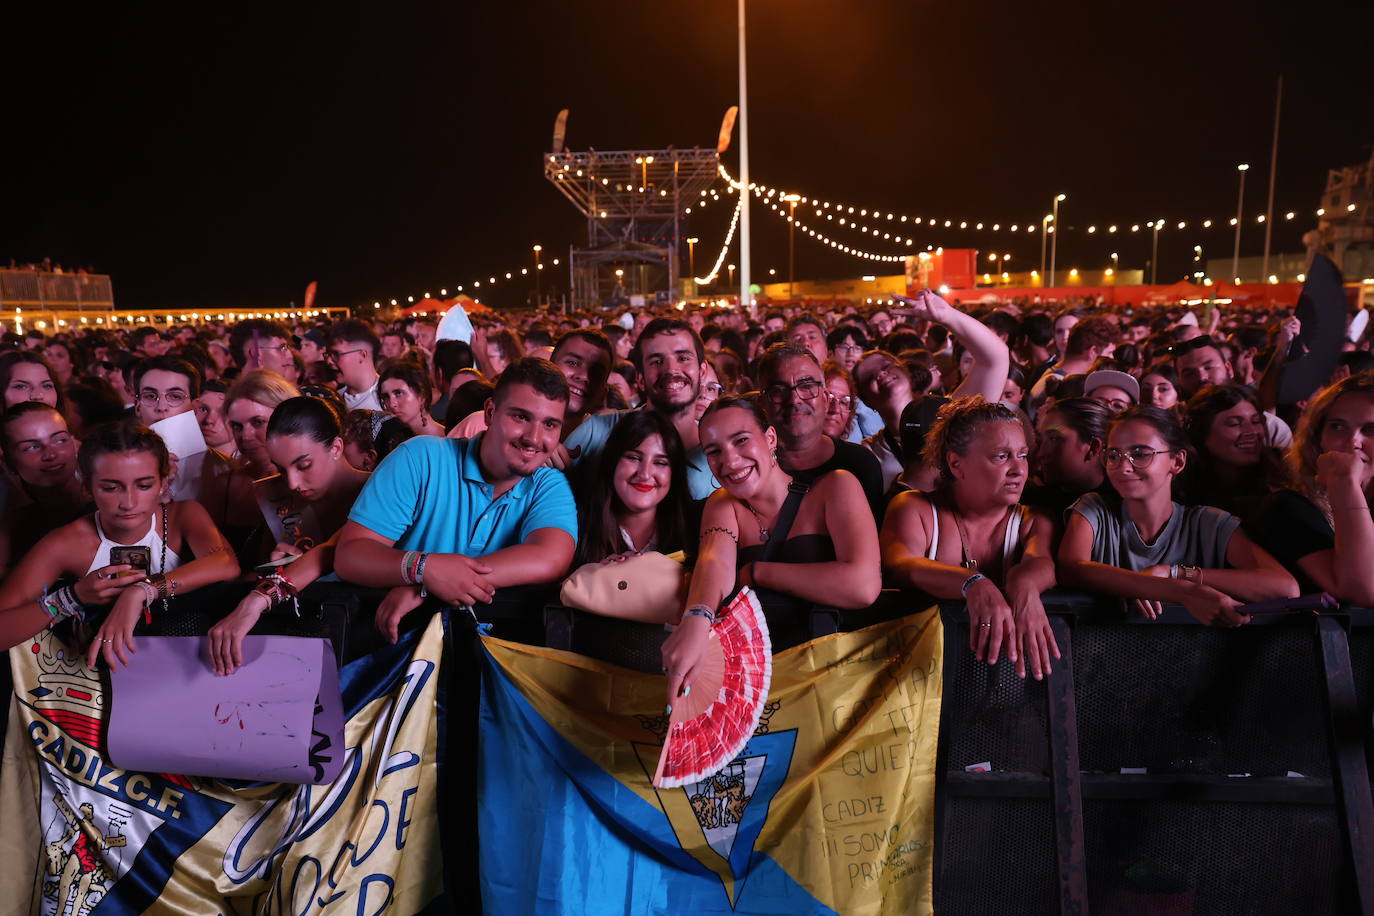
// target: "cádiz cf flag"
[[828, 809], [83, 837]]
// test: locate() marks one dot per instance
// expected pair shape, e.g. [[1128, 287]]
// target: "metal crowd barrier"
[[1163, 767]]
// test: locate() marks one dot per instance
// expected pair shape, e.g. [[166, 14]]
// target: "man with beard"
[[795, 399], [670, 359], [885, 385], [1200, 362], [458, 519]]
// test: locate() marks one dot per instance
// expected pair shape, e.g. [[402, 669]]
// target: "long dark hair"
[[11, 359], [1200, 484], [598, 524], [314, 418]]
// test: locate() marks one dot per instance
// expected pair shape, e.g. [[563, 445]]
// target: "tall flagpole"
[[745, 193], [1273, 173]]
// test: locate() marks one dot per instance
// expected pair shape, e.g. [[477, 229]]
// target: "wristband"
[[420, 573], [699, 611], [963, 589], [1173, 571]]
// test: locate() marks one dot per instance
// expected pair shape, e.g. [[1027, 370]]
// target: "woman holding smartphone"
[[167, 550]]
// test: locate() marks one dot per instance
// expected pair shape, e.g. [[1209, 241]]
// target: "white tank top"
[[152, 540], [1011, 543]]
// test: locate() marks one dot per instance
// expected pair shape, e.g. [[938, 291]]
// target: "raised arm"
[[1268, 388], [854, 578], [991, 358]]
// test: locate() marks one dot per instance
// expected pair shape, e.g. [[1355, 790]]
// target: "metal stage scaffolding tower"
[[633, 201]]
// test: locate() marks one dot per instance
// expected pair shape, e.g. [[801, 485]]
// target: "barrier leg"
[[1065, 778], [1348, 755]]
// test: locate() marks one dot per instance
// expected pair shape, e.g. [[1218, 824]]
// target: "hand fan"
[[710, 725]]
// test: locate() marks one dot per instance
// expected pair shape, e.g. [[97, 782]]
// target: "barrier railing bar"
[[1065, 777], [1348, 762]]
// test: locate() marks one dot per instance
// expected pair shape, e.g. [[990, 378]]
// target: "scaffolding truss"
[[633, 202]]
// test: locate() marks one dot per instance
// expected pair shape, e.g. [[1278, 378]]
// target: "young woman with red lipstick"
[[638, 498]]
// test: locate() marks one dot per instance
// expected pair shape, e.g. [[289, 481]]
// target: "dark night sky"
[[225, 155]]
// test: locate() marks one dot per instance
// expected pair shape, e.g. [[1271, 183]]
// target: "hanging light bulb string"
[[725, 248]]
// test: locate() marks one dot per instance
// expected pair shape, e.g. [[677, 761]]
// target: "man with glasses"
[[259, 343], [845, 345], [352, 350], [796, 400], [166, 387], [885, 385]]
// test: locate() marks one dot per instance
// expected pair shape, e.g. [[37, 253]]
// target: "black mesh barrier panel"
[[1166, 857], [1191, 699], [626, 643], [998, 858], [989, 714]]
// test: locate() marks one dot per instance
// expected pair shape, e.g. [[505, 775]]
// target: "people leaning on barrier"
[[177, 549], [637, 500], [826, 555], [1322, 529], [305, 440], [1142, 545], [460, 518], [971, 538]]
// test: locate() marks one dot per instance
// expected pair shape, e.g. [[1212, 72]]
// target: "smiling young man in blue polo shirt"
[[464, 517]]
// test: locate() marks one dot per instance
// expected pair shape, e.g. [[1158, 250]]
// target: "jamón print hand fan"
[[710, 725]]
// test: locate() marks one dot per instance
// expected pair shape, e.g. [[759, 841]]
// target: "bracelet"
[[60, 604], [732, 534], [963, 589], [700, 610], [411, 566], [420, 574], [1173, 571], [150, 591]]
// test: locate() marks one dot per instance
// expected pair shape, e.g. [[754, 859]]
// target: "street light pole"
[[791, 242], [538, 269], [1044, 239], [745, 191], [1240, 206], [1054, 245], [1154, 253]]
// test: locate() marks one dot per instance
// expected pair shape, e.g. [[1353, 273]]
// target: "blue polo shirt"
[[429, 494], [591, 435]]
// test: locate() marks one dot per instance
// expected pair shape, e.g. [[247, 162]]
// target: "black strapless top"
[[789, 617], [804, 548]]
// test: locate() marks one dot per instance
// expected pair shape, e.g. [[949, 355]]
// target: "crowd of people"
[[986, 456], [817, 457]]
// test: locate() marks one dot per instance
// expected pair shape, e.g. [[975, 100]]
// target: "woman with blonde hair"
[[1323, 530], [230, 497]]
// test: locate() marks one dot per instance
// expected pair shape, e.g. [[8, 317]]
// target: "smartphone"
[[140, 558], [263, 569]]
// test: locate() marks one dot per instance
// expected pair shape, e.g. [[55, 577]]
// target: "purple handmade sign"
[[278, 718]]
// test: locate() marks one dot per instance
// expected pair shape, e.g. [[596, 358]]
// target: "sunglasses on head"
[[1188, 346]]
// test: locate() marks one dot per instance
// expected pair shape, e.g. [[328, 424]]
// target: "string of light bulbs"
[[725, 248], [833, 243], [477, 284], [841, 213]]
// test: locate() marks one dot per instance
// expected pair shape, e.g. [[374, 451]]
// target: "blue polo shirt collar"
[[471, 470]]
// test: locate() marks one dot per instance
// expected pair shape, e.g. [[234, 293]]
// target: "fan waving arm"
[[712, 579]]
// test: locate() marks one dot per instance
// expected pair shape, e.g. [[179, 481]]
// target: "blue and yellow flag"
[[828, 809], [82, 836]]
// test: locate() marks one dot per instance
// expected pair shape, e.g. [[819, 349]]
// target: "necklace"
[[758, 520], [969, 562]]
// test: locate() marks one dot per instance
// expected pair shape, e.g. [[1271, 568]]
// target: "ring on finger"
[[984, 625], [106, 640]]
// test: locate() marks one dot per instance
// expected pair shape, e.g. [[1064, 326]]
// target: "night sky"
[[222, 155]]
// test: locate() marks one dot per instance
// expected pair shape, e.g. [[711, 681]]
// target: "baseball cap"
[[1114, 379]]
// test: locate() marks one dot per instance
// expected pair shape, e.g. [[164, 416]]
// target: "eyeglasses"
[[806, 390], [171, 398], [844, 402], [848, 348], [1139, 456], [261, 347], [335, 355], [712, 390]]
